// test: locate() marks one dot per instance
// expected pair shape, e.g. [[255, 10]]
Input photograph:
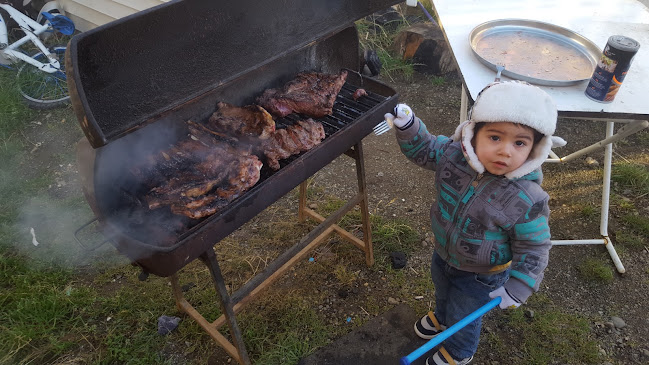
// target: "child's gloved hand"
[[403, 117], [508, 302]]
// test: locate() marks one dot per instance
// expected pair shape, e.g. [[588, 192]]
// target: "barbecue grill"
[[135, 81]]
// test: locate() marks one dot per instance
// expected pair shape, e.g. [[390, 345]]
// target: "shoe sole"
[[421, 335]]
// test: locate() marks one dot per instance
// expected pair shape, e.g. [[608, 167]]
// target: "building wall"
[[88, 14]]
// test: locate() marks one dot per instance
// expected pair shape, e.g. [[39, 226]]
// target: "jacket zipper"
[[476, 181], [474, 184]]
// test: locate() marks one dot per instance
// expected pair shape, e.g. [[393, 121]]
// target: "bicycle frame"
[[32, 30]]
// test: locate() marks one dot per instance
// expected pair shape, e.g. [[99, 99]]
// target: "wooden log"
[[425, 45]]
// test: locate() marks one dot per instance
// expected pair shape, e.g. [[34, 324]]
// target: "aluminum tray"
[[536, 52]]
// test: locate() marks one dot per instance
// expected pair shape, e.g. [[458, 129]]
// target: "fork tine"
[[381, 125], [381, 128]]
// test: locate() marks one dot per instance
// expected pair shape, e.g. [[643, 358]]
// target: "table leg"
[[606, 189], [464, 105]]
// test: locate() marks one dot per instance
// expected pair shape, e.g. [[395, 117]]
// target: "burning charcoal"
[[167, 324]]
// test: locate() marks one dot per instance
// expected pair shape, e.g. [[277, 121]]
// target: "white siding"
[[88, 14]]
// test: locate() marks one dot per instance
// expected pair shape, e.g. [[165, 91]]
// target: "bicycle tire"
[[41, 90]]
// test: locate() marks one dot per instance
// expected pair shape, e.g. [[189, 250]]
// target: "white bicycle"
[[41, 77]]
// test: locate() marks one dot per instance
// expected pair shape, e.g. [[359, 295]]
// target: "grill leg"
[[209, 259], [366, 244], [301, 208], [365, 213]]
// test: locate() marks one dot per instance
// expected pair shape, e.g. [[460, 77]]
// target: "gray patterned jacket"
[[482, 222]]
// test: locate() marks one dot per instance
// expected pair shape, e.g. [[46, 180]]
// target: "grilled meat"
[[310, 93], [358, 93], [249, 120], [209, 173], [300, 137], [203, 173]]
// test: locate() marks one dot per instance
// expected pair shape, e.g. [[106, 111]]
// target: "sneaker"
[[425, 327], [439, 359]]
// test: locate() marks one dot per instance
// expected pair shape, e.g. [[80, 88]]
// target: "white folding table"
[[596, 20]]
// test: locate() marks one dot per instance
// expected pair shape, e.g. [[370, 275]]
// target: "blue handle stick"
[[407, 360]]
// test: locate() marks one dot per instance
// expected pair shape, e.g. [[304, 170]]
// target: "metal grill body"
[[135, 82]]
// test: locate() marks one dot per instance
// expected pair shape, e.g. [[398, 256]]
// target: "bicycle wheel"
[[42, 90]]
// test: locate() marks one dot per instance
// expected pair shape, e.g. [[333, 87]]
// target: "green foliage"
[[637, 224], [589, 210], [437, 80], [378, 38], [595, 270], [631, 175], [552, 336], [38, 310], [292, 332], [630, 239], [13, 113]]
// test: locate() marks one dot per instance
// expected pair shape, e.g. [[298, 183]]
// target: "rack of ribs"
[[310, 93]]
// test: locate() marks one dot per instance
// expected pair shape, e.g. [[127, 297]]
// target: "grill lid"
[[126, 73]]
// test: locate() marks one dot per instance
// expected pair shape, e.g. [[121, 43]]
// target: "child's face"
[[503, 147]]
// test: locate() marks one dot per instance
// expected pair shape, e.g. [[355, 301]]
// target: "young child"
[[490, 218]]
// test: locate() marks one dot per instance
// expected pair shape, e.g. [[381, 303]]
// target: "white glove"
[[404, 117], [508, 302]]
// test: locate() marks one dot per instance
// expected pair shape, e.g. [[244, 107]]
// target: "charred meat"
[[358, 93], [310, 93], [196, 179], [297, 138], [235, 121]]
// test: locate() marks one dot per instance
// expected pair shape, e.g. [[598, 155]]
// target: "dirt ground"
[[398, 188]]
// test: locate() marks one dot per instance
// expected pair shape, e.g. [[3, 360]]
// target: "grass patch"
[[437, 80], [631, 175], [387, 235], [378, 38], [292, 332], [13, 112], [595, 270], [637, 223], [589, 210], [630, 239], [550, 336], [38, 310]]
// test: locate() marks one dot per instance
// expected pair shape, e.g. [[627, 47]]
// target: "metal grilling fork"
[[382, 127]]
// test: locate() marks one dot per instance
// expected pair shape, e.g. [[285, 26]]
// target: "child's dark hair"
[[537, 134]]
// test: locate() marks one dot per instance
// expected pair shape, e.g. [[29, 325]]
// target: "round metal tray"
[[536, 52]]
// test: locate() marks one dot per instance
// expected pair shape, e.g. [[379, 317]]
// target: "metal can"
[[612, 68]]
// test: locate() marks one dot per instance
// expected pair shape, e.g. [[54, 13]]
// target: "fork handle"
[[498, 76]]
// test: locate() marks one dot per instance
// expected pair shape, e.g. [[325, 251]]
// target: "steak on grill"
[[299, 137], [310, 93], [249, 120], [199, 175]]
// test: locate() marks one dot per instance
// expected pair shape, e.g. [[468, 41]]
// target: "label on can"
[[612, 68]]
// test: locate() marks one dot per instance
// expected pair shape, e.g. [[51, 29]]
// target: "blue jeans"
[[457, 294]]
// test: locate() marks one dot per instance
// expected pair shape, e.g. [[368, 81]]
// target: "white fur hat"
[[516, 102]]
